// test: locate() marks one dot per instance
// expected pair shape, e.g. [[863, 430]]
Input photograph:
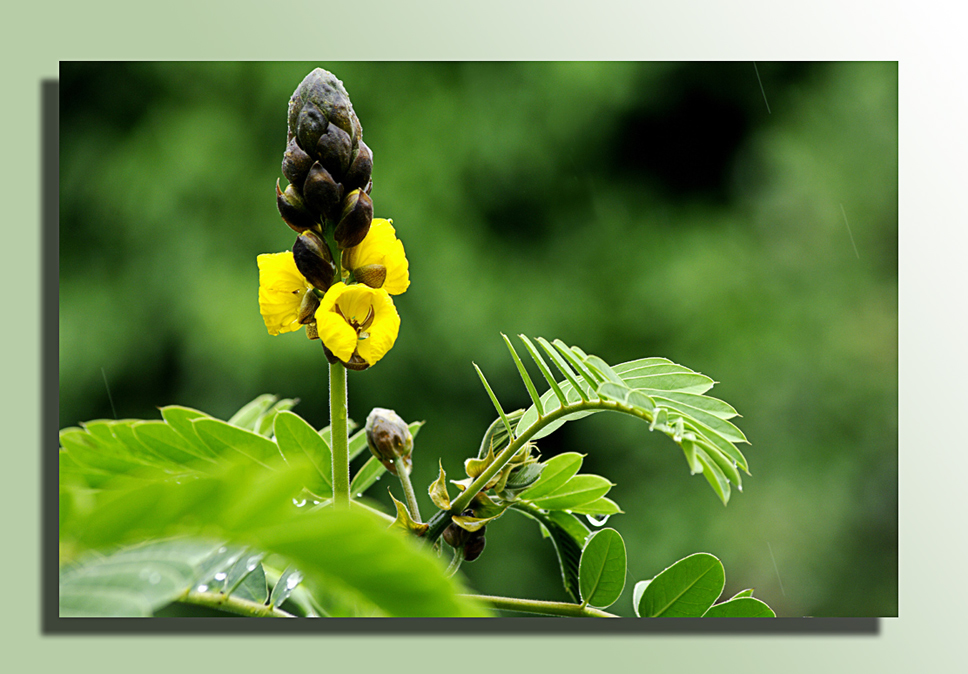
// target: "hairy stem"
[[230, 604], [557, 608], [404, 477], [338, 420]]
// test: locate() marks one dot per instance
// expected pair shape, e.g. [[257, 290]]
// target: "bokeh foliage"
[[635, 209]]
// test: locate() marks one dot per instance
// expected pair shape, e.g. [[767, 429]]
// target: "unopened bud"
[[321, 193], [310, 125], [389, 438], [313, 260], [355, 221], [334, 150], [475, 546], [358, 174], [294, 211], [456, 536], [296, 163], [322, 92]]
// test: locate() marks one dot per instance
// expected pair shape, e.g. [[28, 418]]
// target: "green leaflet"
[[557, 470], [599, 507], [686, 589], [577, 491], [742, 607], [601, 574], [223, 437], [296, 437]]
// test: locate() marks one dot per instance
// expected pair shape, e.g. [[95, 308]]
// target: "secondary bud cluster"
[[328, 167], [472, 541]]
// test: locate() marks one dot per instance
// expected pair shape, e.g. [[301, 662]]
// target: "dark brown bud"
[[296, 163], [455, 536], [358, 174], [321, 193], [389, 438], [355, 221], [475, 546], [294, 211], [310, 125], [334, 150], [313, 259]]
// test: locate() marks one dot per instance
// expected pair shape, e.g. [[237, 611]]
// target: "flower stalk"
[[403, 473], [338, 427]]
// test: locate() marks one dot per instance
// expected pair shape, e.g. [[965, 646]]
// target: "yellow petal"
[[338, 336], [281, 289], [381, 246], [356, 303], [398, 269], [382, 333]]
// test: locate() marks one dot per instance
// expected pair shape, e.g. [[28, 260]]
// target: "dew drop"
[[299, 504], [202, 588], [359, 496], [293, 581], [222, 550], [597, 521], [315, 502], [154, 578], [220, 576]]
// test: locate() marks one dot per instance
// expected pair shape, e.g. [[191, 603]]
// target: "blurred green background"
[[632, 209]]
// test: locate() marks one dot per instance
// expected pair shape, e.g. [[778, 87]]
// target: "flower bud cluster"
[[341, 295], [326, 162]]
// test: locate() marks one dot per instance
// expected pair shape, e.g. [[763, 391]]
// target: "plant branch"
[[245, 607], [440, 520], [338, 420], [556, 608]]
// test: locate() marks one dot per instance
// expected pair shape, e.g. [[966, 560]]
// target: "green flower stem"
[[557, 608], [404, 477], [338, 420], [440, 521], [230, 604]]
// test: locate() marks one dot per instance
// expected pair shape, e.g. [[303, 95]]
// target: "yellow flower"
[[379, 260], [357, 320], [286, 300]]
